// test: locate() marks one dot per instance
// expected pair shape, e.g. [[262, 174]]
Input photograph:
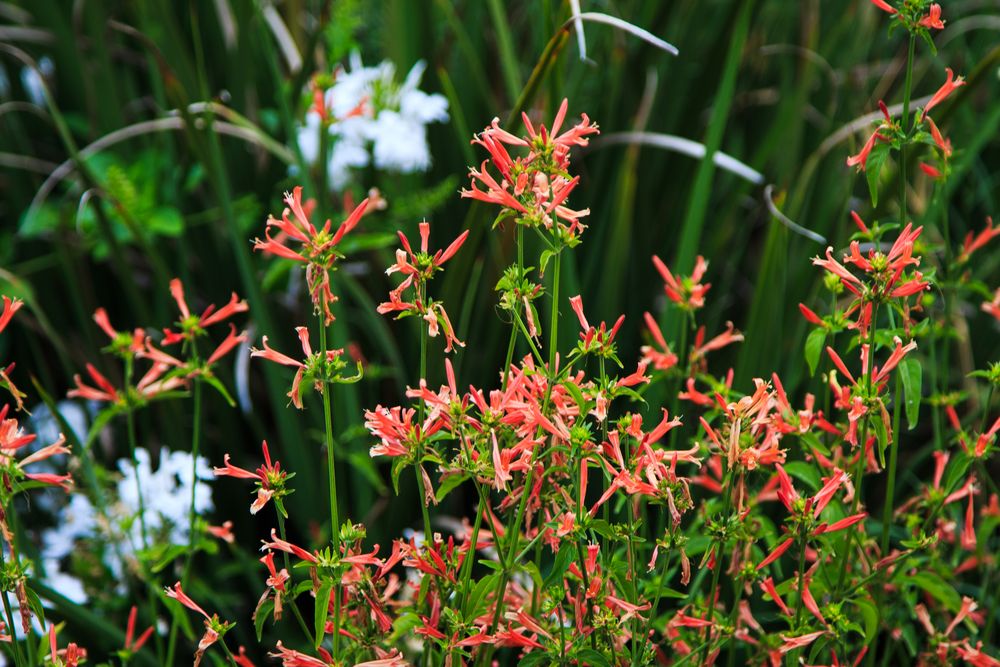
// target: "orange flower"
[[950, 84]]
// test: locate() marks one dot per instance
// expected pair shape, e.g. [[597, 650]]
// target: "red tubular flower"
[[71, 656], [662, 359], [190, 326], [10, 306], [291, 658], [270, 477], [943, 144], [992, 307], [792, 643], [933, 18], [177, 593], [687, 292], [130, 645], [860, 159], [884, 6], [13, 438], [950, 84], [281, 545], [776, 553], [931, 170], [846, 522], [768, 587], [974, 243]]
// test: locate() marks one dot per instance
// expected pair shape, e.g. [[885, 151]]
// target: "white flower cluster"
[[166, 496], [375, 120]]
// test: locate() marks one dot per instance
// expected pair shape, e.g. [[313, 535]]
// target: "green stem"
[[332, 474], [428, 535], [802, 577], [905, 120], [656, 602], [295, 606], [554, 320], [18, 659], [192, 516], [130, 424], [890, 492], [717, 571]]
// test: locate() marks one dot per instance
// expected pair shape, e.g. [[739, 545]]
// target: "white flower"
[[376, 120], [400, 144]]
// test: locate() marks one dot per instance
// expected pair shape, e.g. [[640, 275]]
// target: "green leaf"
[[543, 261], [812, 441], [804, 472], [814, 346], [870, 616], [563, 559], [938, 588], [219, 387], [322, 609], [881, 435], [911, 374], [261, 615], [873, 168], [448, 484], [167, 556], [589, 656]]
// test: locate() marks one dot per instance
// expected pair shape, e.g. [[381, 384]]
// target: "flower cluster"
[[371, 119]]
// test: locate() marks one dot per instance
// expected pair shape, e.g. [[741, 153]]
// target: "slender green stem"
[[295, 605], [192, 516], [331, 471], [554, 320], [717, 570], [905, 120], [802, 577], [417, 470], [470, 557], [18, 658], [132, 446], [890, 490], [656, 602]]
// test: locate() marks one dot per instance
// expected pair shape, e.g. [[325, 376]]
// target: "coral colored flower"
[[192, 326], [270, 479], [419, 268], [279, 544], [687, 292], [423, 263], [792, 643], [291, 658], [776, 553], [318, 248], [71, 656], [10, 306], [597, 339], [662, 359], [974, 243], [993, 307], [944, 145], [933, 18], [317, 368], [950, 84], [120, 341], [223, 532], [930, 170], [768, 587], [884, 6], [132, 644], [12, 439], [860, 159]]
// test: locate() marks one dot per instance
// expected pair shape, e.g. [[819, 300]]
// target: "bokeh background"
[[122, 176]]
